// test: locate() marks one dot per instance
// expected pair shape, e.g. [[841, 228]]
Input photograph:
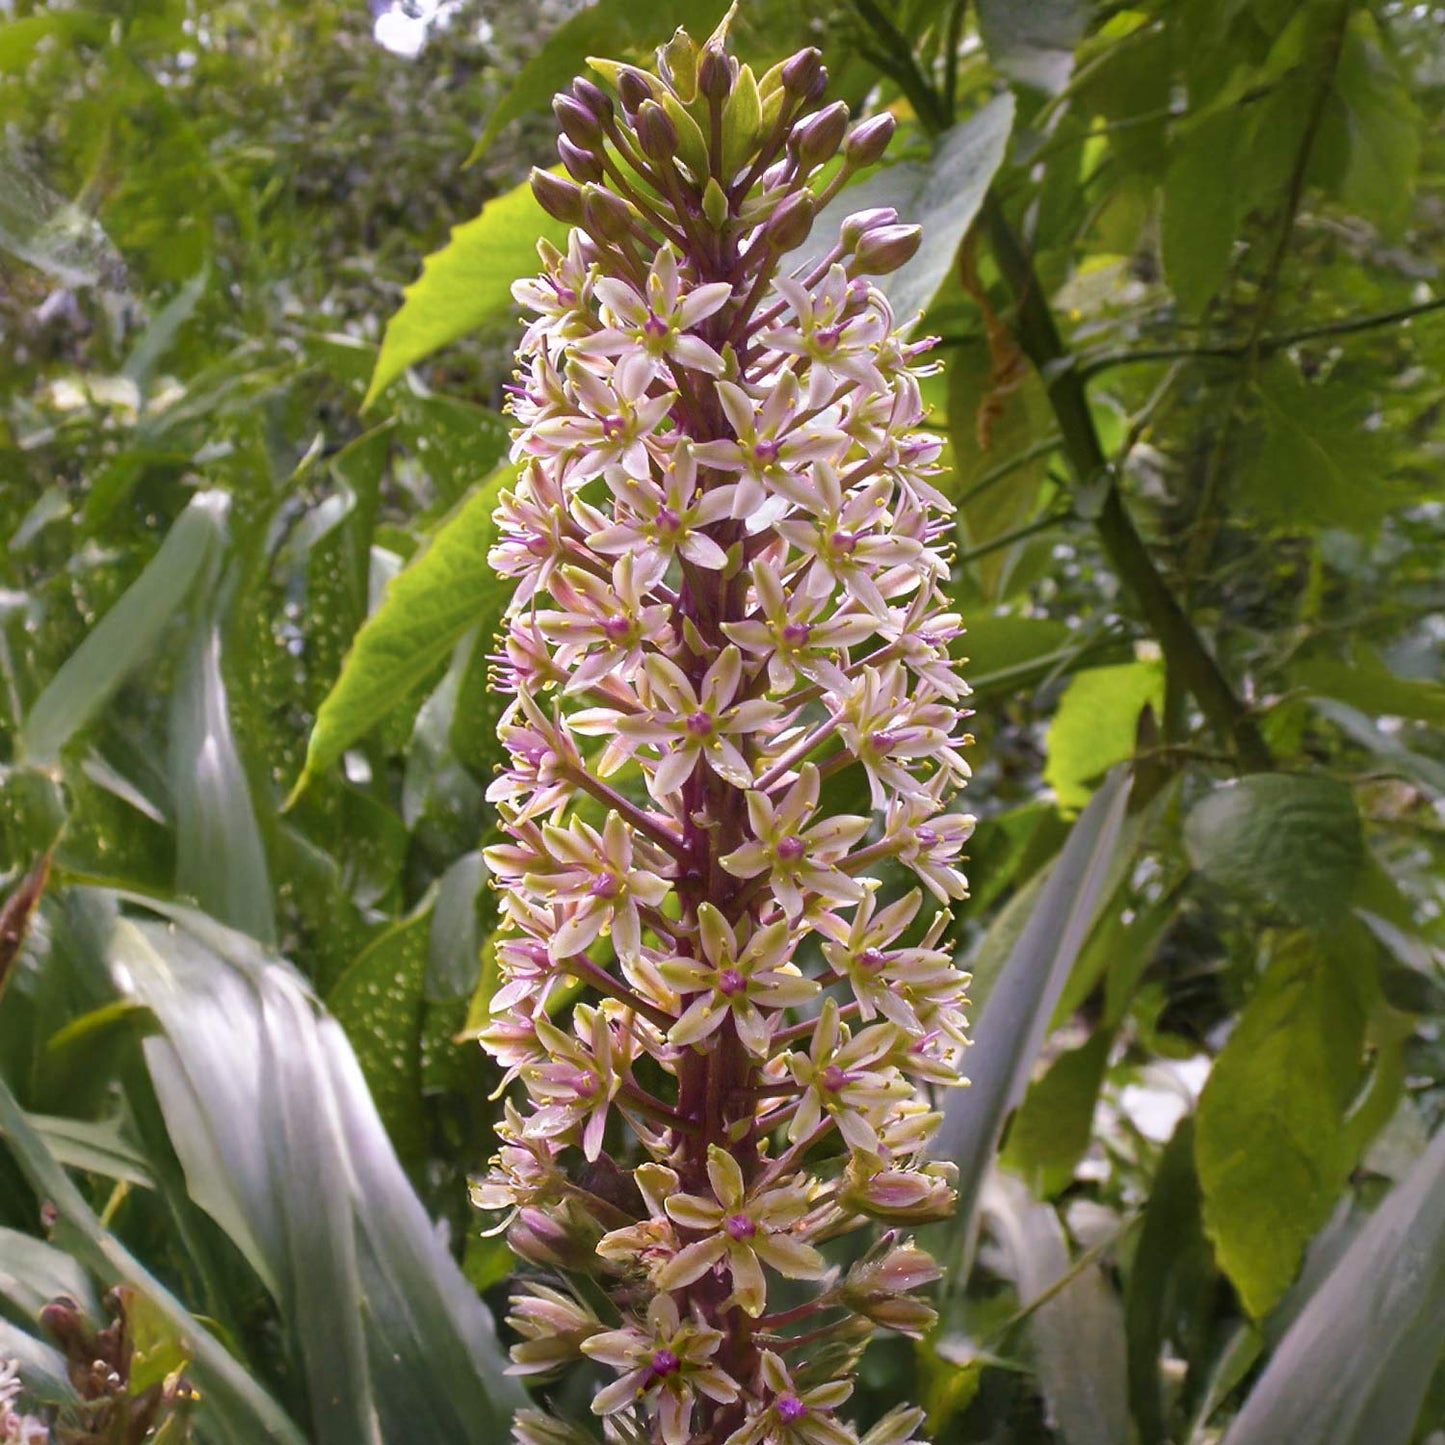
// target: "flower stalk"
[[734, 700]]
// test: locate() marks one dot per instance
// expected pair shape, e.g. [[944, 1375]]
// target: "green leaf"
[[1361, 1351], [220, 857], [608, 27], [1318, 464], [427, 609], [1033, 43], [1096, 725], [1293, 843], [20, 38], [1050, 1132], [98, 1147], [1011, 1025], [247, 1408], [1075, 1322], [1367, 684], [1270, 1144], [378, 1001], [943, 195], [270, 1116], [1391, 755], [467, 284], [998, 465], [128, 634], [1373, 106], [1204, 205], [1169, 1274]]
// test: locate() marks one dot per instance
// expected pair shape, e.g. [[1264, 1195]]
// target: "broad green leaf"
[[608, 28], [427, 609], [32, 1273], [1270, 1143], [467, 284], [1033, 43], [281, 1143], [1051, 1130], [1372, 105], [379, 1002], [1010, 1027], [20, 38], [1204, 205], [454, 948], [232, 1392], [942, 195], [1096, 725], [1075, 1324], [1318, 464], [1368, 684], [997, 644], [220, 857], [128, 634], [1354, 1366], [1290, 842]]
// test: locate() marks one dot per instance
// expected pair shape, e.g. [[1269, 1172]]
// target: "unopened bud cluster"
[[734, 732]]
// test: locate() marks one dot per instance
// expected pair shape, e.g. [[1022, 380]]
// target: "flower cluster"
[[734, 731], [17, 1428]]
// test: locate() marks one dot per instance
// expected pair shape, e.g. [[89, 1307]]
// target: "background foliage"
[[1184, 260]]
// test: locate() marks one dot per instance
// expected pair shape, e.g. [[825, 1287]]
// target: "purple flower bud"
[[562, 200], [594, 98], [803, 75], [606, 216], [577, 122], [885, 249], [546, 1240], [656, 133], [789, 225], [715, 71], [582, 165], [815, 139], [633, 87], [854, 226], [868, 139]]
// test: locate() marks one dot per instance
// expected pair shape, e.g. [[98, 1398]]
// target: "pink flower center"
[[825, 338], [700, 724], [926, 837], [765, 453], [731, 982], [613, 427], [538, 545], [872, 959], [739, 1226], [796, 634], [617, 628], [604, 885], [667, 520], [664, 1362], [844, 542], [833, 1078], [655, 326], [789, 1409], [791, 848], [882, 740]]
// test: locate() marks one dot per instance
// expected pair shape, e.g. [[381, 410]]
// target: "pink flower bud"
[[815, 139], [562, 200], [867, 141], [885, 249], [901, 1196]]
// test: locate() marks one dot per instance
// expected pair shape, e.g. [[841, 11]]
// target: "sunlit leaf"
[[426, 610], [467, 284], [1096, 725], [1270, 1143]]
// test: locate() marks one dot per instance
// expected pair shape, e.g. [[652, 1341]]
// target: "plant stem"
[[1184, 648]]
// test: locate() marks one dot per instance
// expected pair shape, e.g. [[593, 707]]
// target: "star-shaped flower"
[[742, 1230]]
